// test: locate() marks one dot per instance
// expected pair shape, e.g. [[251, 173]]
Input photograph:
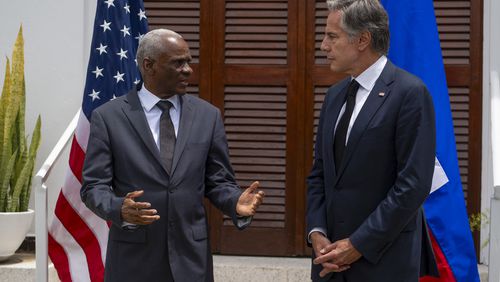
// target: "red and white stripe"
[[77, 237]]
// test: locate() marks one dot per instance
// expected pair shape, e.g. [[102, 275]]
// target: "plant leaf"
[[20, 183], [34, 146], [3, 106], [35, 138], [21, 159], [4, 184], [18, 86], [3, 99], [24, 198]]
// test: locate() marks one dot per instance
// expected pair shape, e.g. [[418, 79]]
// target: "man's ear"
[[364, 40], [147, 65]]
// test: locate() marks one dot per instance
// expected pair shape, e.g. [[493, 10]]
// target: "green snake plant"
[[17, 161]]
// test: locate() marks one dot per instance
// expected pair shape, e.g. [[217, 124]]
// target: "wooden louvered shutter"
[[183, 17], [253, 84], [460, 32], [319, 76], [459, 25]]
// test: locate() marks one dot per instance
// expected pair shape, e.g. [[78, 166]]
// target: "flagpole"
[[495, 125]]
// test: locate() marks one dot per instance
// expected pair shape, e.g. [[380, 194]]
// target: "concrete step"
[[21, 268], [274, 269], [261, 269]]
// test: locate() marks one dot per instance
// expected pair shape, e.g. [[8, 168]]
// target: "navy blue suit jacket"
[[386, 173]]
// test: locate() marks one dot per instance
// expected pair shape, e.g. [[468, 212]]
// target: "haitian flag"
[[415, 47]]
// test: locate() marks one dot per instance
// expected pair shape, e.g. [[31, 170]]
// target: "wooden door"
[[254, 83]]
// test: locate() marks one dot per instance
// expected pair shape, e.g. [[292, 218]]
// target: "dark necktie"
[[167, 135], [343, 125]]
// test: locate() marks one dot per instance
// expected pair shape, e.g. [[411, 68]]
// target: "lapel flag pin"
[[381, 94]]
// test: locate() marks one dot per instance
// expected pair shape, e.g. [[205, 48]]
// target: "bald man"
[[152, 156]]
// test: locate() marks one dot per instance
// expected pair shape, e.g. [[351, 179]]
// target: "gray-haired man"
[[374, 158]]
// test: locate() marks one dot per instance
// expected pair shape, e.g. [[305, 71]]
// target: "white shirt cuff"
[[129, 226], [316, 229]]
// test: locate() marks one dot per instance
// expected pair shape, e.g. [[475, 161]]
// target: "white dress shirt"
[[153, 112], [366, 82]]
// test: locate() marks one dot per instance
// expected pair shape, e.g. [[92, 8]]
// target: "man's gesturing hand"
[[249, 200], [138, 212]]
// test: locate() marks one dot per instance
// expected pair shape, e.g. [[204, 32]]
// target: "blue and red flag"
[[415, 47]]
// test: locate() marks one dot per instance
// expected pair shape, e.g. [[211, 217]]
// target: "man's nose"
[[324, 46], [186, 69]]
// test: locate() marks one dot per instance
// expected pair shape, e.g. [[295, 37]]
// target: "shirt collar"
[[368, 78], [149, 100]]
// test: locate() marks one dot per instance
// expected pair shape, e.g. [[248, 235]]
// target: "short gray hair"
[[152, 45], [364, 15]]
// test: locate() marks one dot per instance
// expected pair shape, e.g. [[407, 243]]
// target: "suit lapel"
[[186, 120], [135, 114], [369, 109], [333, 110]]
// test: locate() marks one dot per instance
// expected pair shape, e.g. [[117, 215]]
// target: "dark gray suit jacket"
[[122, 157], [385, 176]]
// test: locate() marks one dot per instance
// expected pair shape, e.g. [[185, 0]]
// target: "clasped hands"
[[141, 213], [334, 257]]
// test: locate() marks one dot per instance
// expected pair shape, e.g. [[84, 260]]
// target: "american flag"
[[77, 237]]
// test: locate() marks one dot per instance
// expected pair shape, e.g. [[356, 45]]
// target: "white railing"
[[494, 251], [41, 227]]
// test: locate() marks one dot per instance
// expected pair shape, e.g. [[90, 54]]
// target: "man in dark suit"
[[374, 158], [153, 155]]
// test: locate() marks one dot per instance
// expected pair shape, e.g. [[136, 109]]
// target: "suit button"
[[171, 191], [171, 223]]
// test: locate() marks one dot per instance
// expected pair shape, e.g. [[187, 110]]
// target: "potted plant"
[[17, 160]]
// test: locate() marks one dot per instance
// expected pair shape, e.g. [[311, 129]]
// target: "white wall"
[[491, 127], [57, 37]]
